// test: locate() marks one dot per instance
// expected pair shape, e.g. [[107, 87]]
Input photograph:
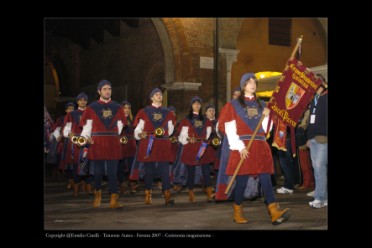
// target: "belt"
[[105, 134], [249, 137]]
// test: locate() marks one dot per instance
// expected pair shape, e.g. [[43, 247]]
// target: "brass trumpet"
[[173, 139], [123, 140], [216, 142], [197, 139], [159, 132], [74, 139], [81, 141]]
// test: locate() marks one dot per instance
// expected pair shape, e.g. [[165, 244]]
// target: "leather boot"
[[191, 196], [133, 187], [238, 215], [97, 198], [122, 189], [169, 202], [209, 194], [70, 183], [148, 200], [76, 189], [114, 201], [277, 216], [177, 188], [89, 189]]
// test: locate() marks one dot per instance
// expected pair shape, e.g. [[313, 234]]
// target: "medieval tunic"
[[129, 149], [239, 124], [214, 152], [175, 147], [62, 144], [199, 129], [72, 121], [103, 122], [147, 120], [57, 131]]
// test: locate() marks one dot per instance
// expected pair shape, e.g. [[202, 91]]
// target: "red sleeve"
[[85, 116], [122, 116], [68, 118], [183, 123], [138, 117], [226, 115], [172, 118], [56, 124], [208, 123]]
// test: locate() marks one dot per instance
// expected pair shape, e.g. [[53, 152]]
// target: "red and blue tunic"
[[147, 120], [73, 118], [198, 129], [103, 122], [239, 124], [129, 149]]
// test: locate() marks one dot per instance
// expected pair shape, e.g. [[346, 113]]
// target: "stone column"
[[180, 94], [231, 57]]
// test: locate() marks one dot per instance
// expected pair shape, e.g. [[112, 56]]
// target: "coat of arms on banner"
[[293, 96]]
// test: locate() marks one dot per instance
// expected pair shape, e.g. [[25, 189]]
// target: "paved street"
[[63, 211]]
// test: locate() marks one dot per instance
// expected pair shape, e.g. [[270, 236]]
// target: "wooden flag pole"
[[299, 40]]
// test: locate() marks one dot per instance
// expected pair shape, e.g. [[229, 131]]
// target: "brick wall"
[[134, 61]]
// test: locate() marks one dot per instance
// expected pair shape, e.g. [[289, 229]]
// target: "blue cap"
[[102, 83], [171, 108], [82, 95], [68, 104], [237, 89], [209, 106], [125, 102], [154, 91], [245, 77], [194, 99]]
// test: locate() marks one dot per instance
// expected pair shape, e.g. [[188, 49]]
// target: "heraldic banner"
[[293, 92]]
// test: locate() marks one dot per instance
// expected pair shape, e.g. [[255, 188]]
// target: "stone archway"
[[167, 49], [51, 85]]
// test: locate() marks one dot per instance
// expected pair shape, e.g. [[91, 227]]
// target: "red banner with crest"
[[293, 92]]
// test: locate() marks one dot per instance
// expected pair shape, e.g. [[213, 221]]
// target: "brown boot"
[[191, 196], [122, 189], [277, 216], [238, 215], [88, 188], [114, 201], [133, 187], [97, 198], [177, 188], [148, 200], [168, 198], [76, 189], [209, 194]]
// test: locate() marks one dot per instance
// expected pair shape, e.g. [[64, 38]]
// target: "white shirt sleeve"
[[57, 132], [184, 135], [234, 141], [264, 124], [217, 131], [67, 129], [170, 128], [139, 129], [209, 131], [120, 126], [87, 129]]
